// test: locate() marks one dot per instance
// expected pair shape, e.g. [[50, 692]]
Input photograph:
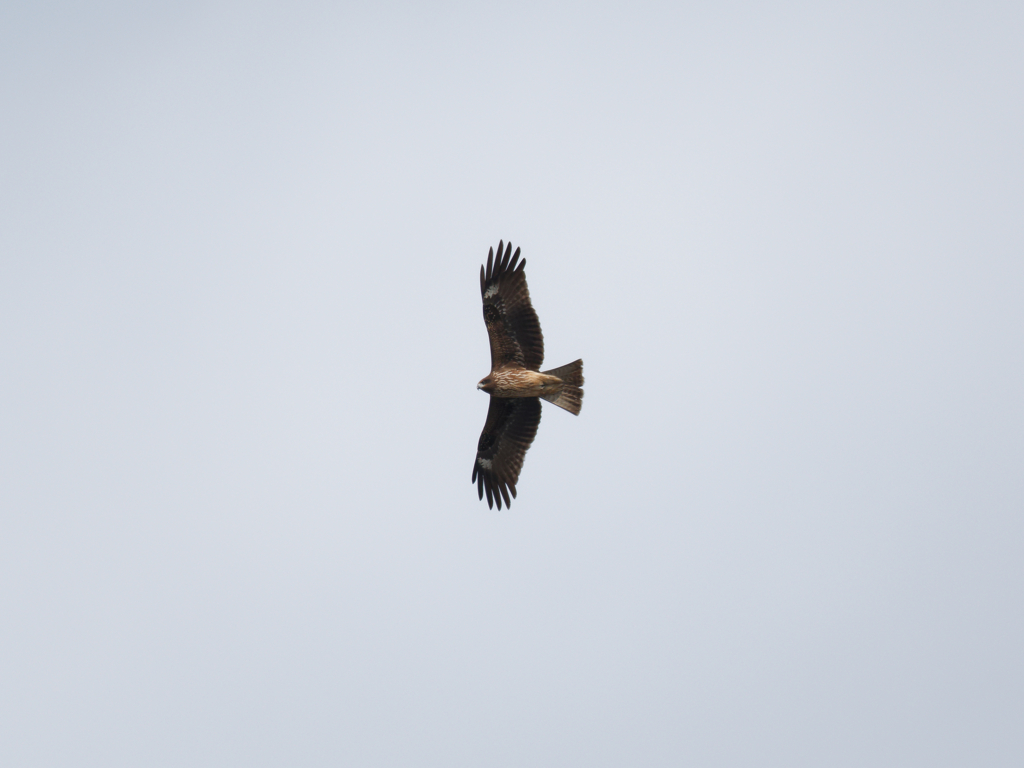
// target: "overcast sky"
[[240, 334]]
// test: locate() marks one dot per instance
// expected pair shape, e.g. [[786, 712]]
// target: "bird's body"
[[513, 381], [516, 384]]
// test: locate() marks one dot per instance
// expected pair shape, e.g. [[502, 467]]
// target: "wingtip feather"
[[502, 262]]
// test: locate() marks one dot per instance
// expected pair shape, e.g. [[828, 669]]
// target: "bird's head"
[[486, 384]]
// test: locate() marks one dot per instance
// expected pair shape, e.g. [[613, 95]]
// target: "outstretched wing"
[[512, 325], [510, 428]]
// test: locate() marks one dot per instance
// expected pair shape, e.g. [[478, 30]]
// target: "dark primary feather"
[[512, 324], [508, 432]]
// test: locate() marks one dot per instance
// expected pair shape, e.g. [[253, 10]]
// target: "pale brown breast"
[[520, 382]]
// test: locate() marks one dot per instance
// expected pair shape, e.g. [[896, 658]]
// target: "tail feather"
[[571, 395]]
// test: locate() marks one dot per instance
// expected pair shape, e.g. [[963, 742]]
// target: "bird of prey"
[[515, 382]]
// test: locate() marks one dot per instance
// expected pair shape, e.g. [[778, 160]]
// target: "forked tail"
[[571, 395]]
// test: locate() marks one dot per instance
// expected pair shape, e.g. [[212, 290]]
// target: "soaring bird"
[[515, 383]]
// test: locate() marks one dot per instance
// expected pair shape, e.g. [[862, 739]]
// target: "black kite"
[[515, 382]]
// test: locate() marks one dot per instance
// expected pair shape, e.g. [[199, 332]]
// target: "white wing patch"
[[491, 291], [485, 463]]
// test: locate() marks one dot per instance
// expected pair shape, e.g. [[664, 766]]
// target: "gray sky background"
[[240, 329]]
